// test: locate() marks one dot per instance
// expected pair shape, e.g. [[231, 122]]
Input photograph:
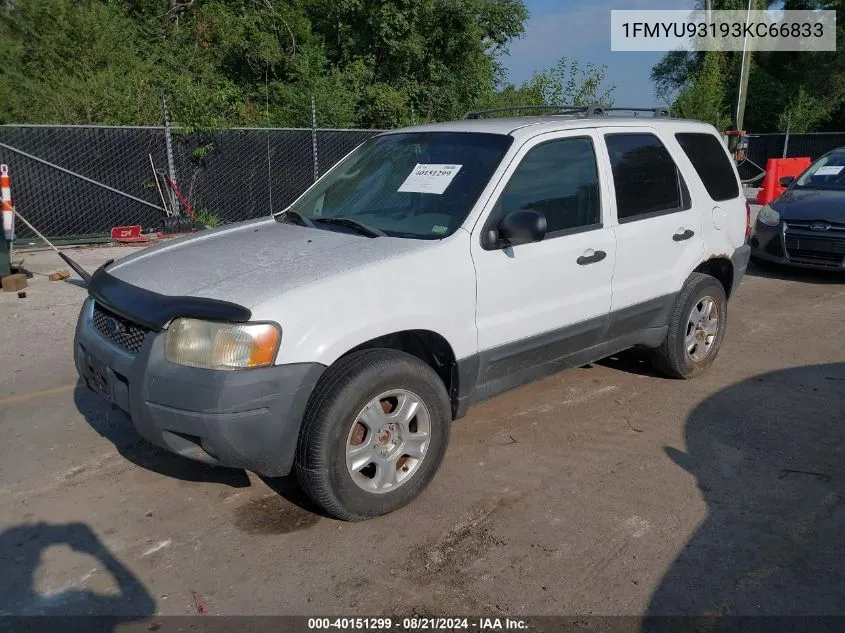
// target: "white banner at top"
[[670, 30]]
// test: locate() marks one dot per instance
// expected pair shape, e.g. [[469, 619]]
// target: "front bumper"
[[739, 261], [244, 419], [769, 243]]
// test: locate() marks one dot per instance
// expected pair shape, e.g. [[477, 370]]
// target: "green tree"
[[251, 62], [428, 59], [703, 96], [570, 84], [804, 89], [74, 62], [804, 112], [565, 83]]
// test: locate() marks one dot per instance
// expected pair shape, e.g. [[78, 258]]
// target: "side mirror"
[[520, 227], [785, 181]]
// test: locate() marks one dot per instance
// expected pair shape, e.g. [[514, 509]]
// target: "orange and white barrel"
[[8, 209]]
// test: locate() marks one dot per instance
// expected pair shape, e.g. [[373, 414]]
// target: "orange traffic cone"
[[768, 191]]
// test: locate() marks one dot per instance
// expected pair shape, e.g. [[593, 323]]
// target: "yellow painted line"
[[34, 394]]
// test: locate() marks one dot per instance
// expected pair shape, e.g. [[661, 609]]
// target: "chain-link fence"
[[73, 181], [245, 173], [79, 181], [762, 147]]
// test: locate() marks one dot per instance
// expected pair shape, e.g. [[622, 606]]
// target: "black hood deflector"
[[154, 310]]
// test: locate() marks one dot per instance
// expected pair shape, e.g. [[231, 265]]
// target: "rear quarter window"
[[707, 155]]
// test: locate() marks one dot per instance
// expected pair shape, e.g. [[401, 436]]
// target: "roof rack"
[[591, 110], [478, 114], [655, 112]]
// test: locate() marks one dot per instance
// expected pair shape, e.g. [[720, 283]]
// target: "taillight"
[[747, 220]]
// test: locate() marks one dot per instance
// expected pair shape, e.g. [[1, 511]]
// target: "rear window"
[[707, 155]]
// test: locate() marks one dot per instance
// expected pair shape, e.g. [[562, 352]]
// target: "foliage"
[[703, 96], [672, 72], [48, 76], [208, 218], [805, 90], [804, 112], [566, 83], [222, 63]]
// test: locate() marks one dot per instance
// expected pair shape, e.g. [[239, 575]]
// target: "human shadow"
[[114, 425], [768, 455], [22, 550]]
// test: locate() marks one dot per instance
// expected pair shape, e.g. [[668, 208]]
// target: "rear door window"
[[707, 155], [645, 177]]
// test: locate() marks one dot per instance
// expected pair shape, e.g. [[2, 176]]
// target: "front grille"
[[826, 248], [122, 332], [804, 225]]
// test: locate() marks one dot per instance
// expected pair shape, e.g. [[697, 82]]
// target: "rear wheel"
[[373, 435], [696, 329]]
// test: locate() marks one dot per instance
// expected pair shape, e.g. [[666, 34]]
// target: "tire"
[[672, 357], [343, 416]]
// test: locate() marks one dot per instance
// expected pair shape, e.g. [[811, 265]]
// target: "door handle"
[[597, 256], [680, 237]]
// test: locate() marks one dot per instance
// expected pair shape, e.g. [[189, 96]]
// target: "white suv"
[[433, 267]]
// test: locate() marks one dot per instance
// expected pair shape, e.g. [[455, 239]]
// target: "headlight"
[[213, 345], [769, 216]]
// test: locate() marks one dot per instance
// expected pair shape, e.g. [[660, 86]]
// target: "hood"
[[255, 261], [811, 204]]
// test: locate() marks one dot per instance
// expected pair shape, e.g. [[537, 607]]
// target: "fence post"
[[5, 257], [8, 237], [314, 136], [786, 140], [174, 203]]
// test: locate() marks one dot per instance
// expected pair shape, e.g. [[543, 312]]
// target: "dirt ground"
[[602, 490]]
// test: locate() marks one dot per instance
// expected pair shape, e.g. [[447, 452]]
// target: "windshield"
[[828, 172], [416, 185]]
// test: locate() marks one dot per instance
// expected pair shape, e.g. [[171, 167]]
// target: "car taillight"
[[747, 220]]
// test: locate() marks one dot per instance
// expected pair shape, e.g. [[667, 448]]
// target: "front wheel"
[[696, 329], [374, 434]]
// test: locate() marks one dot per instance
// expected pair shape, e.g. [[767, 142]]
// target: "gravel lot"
[[603, 490]]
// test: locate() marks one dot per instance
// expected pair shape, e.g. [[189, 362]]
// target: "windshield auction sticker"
[[429, 178]]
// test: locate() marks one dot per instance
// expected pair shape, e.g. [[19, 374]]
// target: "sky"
[[580, 29]]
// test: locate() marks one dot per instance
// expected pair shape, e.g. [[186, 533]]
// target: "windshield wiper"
[[297, 216], [362, 228]]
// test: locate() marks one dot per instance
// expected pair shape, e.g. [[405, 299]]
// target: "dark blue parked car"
[[805, 226]]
